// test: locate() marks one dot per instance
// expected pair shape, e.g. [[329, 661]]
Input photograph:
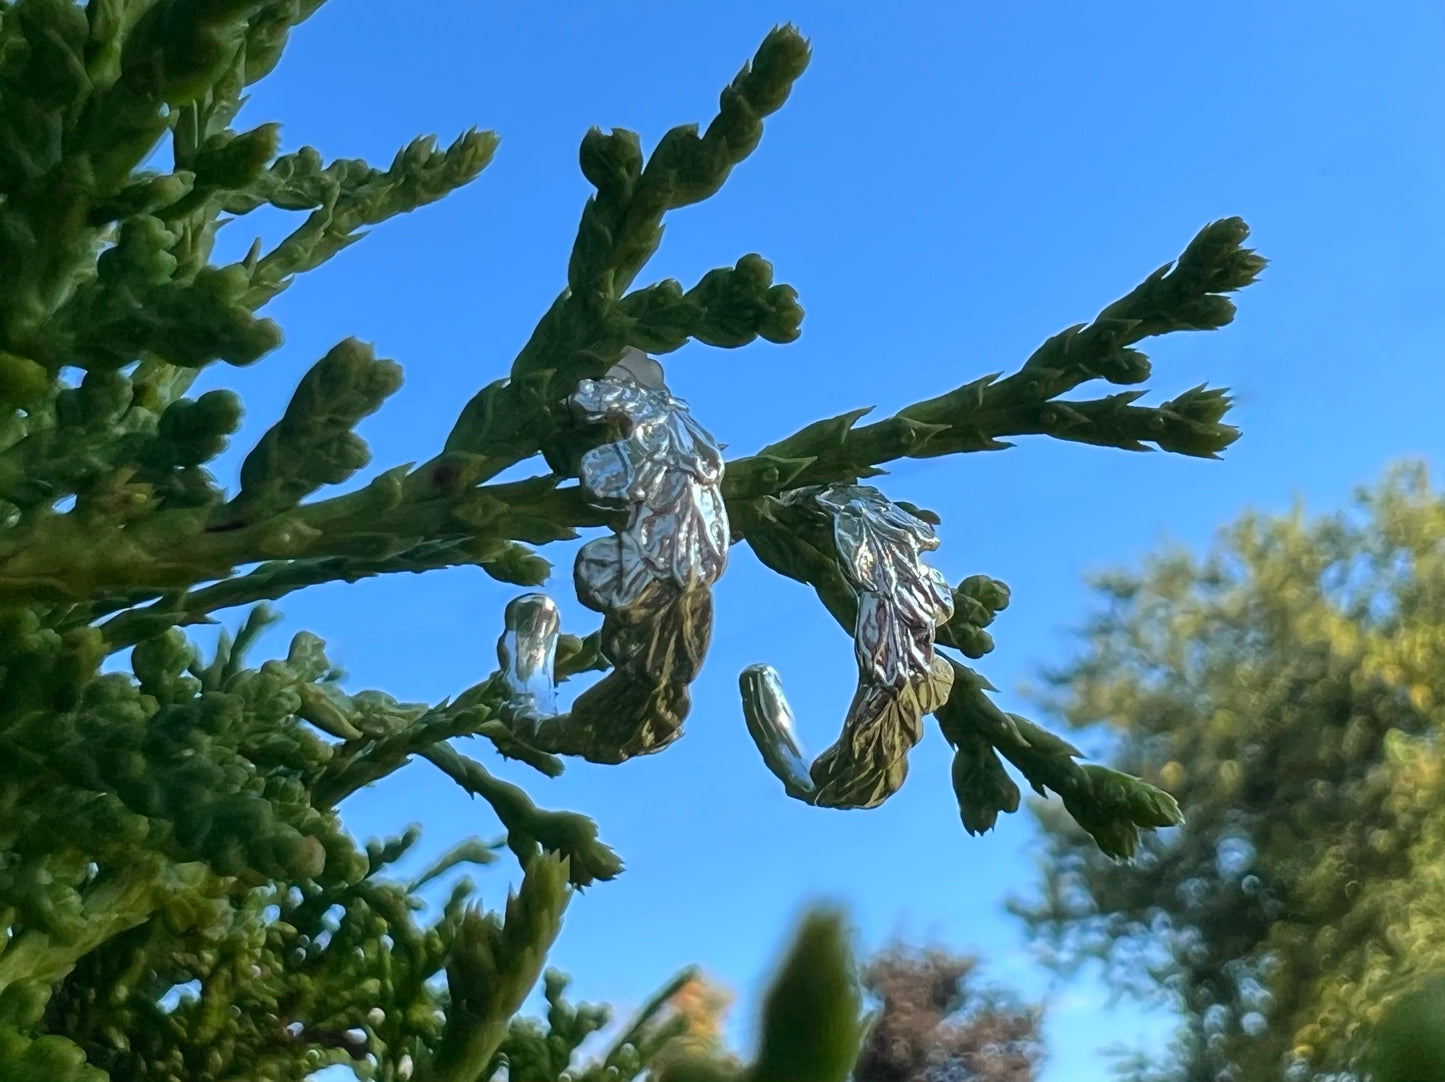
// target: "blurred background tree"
[[935, 1022], [931, 1020], [1289, 687]]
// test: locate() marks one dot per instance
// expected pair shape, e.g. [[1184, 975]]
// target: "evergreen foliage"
[[175, 825], [1288, 687]]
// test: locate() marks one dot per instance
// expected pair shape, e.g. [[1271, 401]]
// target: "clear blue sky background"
[[950, 184]]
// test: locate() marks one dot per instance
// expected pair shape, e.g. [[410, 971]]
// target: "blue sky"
[[949, 184]]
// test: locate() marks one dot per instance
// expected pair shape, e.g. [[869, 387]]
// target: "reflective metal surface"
[[527, 653], [666, 471], [901, 601], [651, 579], [770, 722], [644, 370]]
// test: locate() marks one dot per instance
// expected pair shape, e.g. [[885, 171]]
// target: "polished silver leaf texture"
[[666, 470], [527, 653], [901, 602], [770, 722], [651, 579]]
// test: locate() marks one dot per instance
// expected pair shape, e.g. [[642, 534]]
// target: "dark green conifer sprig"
[[494, 964], [976, 601], [528, 827], [178, 822], [595, 317], [1183, 296], [313, 444], [532, 1050], [347, 196], [1111, 806]]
